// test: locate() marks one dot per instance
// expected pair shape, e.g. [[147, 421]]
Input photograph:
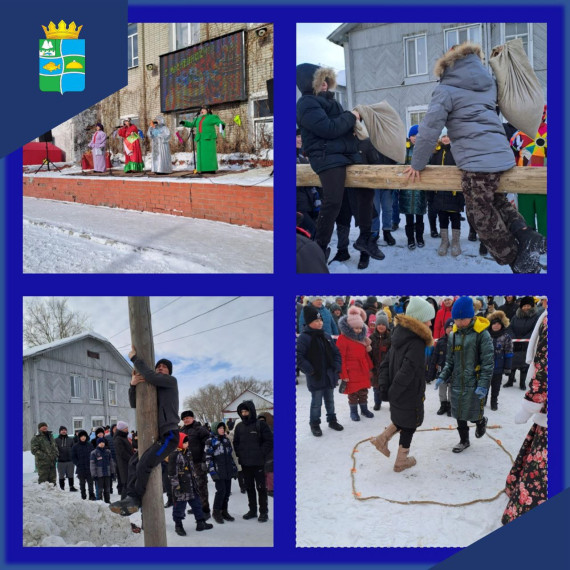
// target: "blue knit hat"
[[413, 131], [463, 308]]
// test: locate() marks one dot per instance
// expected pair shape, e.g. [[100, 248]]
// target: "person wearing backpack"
[[468, 368]]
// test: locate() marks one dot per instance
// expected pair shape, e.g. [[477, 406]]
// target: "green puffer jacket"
[[469, 364]]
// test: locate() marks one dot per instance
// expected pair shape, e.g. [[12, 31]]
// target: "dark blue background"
[[28, 112], [284, 285]]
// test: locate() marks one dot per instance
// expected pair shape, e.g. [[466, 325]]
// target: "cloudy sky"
[[313, 46], [198, 357]]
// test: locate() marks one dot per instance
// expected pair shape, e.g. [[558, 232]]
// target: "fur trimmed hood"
[[453, 55], [498, 316], [310, 78], [348, 332], [327, 74], [417, 327]]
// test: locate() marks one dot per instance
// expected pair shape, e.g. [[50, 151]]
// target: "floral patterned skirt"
[[527, 481]]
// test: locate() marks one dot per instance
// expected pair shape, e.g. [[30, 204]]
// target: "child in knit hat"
[[354, 348], [468, 369], [402, 379], [380, 342], [503, 347], [436, 364]]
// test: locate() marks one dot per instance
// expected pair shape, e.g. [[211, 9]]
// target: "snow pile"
[[328, 515], [53, 517]]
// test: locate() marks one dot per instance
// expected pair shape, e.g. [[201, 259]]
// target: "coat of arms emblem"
[[62, 59]]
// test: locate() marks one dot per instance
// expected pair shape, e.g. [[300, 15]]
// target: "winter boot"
[[472, 234], [449, 409], [455, 245], [367, 243], [217, 515], [62, 484], [250, 515], [410, 235], [433, 226], [365, 411], [403, 460], [388, 238], [92, 497], [483, 249], [263, 517], [380, 442], [203, 525], [442, 408], [71, 487], [494, 405], [227, 517], [461, 446], [444, 245], [481, 427], [127, 506], [333, 424], [354, 413], [420, 234], [84, 494], [364, 260], [341, 255], [531, 243], [315, 430], [179, 528]]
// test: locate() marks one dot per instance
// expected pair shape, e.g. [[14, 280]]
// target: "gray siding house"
[[79, 382], [395, 62]]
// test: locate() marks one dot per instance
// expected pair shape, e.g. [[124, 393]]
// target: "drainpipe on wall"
[[144, 118]]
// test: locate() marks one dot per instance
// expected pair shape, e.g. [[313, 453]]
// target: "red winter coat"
[[440, 319], [356, 364]]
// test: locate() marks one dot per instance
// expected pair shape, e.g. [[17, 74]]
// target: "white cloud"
[[313, 46]]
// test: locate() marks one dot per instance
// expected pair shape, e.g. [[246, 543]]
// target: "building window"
[[113, 420], [133, 49], [512, 31], [186, 35], [416, 55], [96, 389], [415, 115], [261, 108], [112, 393], [75, 386], [92, 354], [77, 424], [456, 36], [97, 421]]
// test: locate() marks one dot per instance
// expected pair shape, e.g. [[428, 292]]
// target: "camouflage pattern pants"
[[492, 216], [46, 473], [201, 472]]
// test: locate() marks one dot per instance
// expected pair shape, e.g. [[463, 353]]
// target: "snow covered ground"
[[64, 237], [399, 259], [328, 515], [53, 517]]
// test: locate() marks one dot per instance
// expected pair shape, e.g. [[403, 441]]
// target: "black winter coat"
[[111, 446], [509, 309], [310, 257], [328, 377], [253, 440], [402, 374], [64, 446], [326, 128], [167, 394], [444, 200], [380, 344], [197, 437], [437, 359], [81, 456], [123, 452], [522, 325]]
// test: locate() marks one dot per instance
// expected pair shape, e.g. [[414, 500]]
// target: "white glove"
[[526, 410]]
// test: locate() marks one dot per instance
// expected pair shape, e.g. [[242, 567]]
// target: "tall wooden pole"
[[147, 421]]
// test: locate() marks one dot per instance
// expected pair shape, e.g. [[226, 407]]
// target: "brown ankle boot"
[[403, 461], [380, 442]]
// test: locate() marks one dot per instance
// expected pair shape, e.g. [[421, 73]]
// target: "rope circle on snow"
[[358, 496]]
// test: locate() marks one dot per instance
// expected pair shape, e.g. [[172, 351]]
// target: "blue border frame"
[[285, 284]]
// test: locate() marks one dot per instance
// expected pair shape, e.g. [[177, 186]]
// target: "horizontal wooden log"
[[519, 180]]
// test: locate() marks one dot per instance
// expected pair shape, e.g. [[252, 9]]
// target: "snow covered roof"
[[43, 348], [246, 394]]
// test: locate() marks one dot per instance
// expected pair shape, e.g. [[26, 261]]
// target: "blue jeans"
[[395, 207], [316, 402], [383, 201]]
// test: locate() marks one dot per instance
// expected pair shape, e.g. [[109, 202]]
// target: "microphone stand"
[[46, 161]]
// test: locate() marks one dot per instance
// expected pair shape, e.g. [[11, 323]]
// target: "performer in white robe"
[[159, 135]]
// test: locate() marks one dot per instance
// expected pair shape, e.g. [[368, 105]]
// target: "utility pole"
[[147, 421]]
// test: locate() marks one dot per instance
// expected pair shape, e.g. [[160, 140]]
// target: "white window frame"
[[97, 419], [530, 38], [114, 385], [92, 396], [193, 35], [131, 38], [406, 40], [410, 111], [77, 419], [76, 381], [113, 420], [457, 28]]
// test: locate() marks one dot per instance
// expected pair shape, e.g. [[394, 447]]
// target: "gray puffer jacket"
[[465, 102]]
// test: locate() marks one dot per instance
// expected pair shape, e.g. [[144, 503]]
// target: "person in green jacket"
[[44, 449], [469, 369], [205, 124]]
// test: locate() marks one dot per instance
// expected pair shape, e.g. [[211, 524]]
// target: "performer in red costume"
[[132, 146]]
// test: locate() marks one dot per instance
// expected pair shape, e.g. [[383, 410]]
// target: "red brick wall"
[[250, 205]]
